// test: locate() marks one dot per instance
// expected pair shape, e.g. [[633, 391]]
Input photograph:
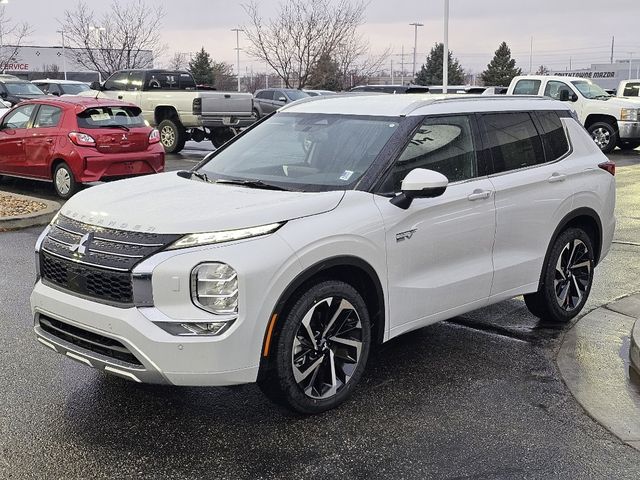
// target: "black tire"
[[256, 113], [605, 135], [64, 183], [172, 135], [628, 145], [566, 278], [220, 136], [300, 382]]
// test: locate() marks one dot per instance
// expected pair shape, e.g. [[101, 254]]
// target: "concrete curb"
[[594, 362], [41, 217]]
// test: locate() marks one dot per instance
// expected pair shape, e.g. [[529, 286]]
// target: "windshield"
[[25, 88], [74, 88], [296, 94], [306, 152], [590, 90]]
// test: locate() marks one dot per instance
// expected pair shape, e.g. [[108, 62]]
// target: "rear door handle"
[[556, 177], [479, 195]]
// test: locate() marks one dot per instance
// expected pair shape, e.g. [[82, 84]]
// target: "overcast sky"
[[576, 29]]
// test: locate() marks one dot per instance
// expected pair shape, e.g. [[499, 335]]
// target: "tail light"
[[154, 136], [82, 139], [197, 106], [609, 166]]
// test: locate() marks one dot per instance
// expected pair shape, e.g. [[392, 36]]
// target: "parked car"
[[61, 87], [611, 121], [628, 88], [315, 93], [170, 100], [391, 88], [458, 89], [495, 91], [270, 99], [73, 140], [14, 90], [333, 225]]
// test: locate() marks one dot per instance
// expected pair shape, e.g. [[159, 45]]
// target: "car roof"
[[419, 104], [549, 77], [55, 80], [79, 102]]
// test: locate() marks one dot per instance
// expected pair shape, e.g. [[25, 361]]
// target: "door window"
[[265, 95], [19, 118], [136, 79], [43, 86], [553, 89], [527, 87], [47, 116], [117, 81], [443, 144], [513, 141], [553, 135]]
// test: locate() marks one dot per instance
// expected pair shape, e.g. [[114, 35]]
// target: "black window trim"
[[491, 172], [36, 112]]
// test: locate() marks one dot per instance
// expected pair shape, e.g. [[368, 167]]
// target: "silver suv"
[[269, 100]]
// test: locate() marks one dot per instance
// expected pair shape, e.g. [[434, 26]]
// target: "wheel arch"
[[54, 164], [597, 117], [352, 270], [585, 218], [164, 112]]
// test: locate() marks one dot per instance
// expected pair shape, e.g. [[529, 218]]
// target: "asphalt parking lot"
[[478, 396]]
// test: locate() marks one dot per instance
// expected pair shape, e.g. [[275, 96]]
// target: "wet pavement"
[[479, 396]]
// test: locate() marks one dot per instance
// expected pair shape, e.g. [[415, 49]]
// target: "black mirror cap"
[[574, 97], [404, 200], [564, 95], [95, 86]]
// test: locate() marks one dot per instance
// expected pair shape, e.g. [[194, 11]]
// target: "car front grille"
[[87, 340], [94, 261]]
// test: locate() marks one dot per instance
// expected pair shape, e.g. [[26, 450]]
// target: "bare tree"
[[179, 61], [119, 39], [299, 33], [357, 63], [12, 36]]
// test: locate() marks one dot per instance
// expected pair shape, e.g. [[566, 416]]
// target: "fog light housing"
[[214, 288], [190, 329]]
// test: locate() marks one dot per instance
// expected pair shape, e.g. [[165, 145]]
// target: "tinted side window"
[[513, 141], [631, 89], [47, 116], [117, 81], [43, 86], [19, 118], [136, 79], [53, 89], [554, 137], [266, 95], [443, 144], [527, 87]]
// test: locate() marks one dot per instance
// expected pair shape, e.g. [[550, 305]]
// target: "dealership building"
[[607, 75], [35, 62]]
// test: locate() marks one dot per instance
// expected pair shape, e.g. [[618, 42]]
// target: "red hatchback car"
[[72, 140]]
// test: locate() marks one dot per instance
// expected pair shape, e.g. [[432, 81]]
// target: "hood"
[[622, 102], [167, 203]]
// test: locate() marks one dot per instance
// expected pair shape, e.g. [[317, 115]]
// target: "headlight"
[[196, 239], [629, 115], [214, 288]]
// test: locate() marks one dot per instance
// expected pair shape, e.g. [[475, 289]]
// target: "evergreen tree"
[[431, 72], [501, 70], [201, 67], [325, 74]]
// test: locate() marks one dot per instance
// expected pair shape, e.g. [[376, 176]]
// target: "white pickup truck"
[[171, 101], [629, 89], [611, 121]]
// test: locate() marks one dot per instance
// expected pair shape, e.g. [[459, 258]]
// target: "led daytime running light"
[[197, 239]]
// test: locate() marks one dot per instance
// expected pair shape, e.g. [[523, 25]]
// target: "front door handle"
[[479, 195], [556, 177], [119, 97]]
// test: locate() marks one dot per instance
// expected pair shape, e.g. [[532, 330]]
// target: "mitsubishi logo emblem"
[[82, 246], [124, 137]]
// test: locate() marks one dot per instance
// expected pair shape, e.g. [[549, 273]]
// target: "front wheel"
[[172, 135], [321, 349], [605, 136], [64, 182], [566, 278]]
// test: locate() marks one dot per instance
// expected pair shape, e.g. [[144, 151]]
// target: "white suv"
[[335, 224]]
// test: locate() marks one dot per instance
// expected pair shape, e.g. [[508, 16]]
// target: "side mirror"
[[564, 95], [282, 99], [420, 183], [95, 86], [574, 97], [57, 94], [3, 94]]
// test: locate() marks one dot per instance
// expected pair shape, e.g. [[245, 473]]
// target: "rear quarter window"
[[102, 117], [527, 87], [554, 138]]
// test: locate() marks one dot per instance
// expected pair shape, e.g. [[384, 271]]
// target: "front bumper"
[[629, 130], [162, 357]]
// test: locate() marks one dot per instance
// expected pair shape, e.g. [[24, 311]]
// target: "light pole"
[[64, 55], [238, 30], [445, 49], [415, 45], [98, 31], [630, 60]]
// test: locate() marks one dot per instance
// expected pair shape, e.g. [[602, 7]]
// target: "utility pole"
[[630, 60], [415, 45], [445, 49], [402, 65], [569, 63], [237, 49], [392, 71], [64, 55], [613, 39], [98, 31], [531, 57]]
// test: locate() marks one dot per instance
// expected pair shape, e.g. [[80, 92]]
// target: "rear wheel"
[[605, 136], [321, 349], [64, 182], [256, 113], [566, 278], [628, 145], [172, 135]]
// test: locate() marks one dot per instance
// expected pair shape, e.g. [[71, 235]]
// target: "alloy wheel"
[[63, 181], [327, 347], [601, 136], [572, 275], [167, 136]]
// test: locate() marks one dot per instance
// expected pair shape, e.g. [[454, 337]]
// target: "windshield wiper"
[[251, 184], [191, 173], [603, 96], [123, 127]]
